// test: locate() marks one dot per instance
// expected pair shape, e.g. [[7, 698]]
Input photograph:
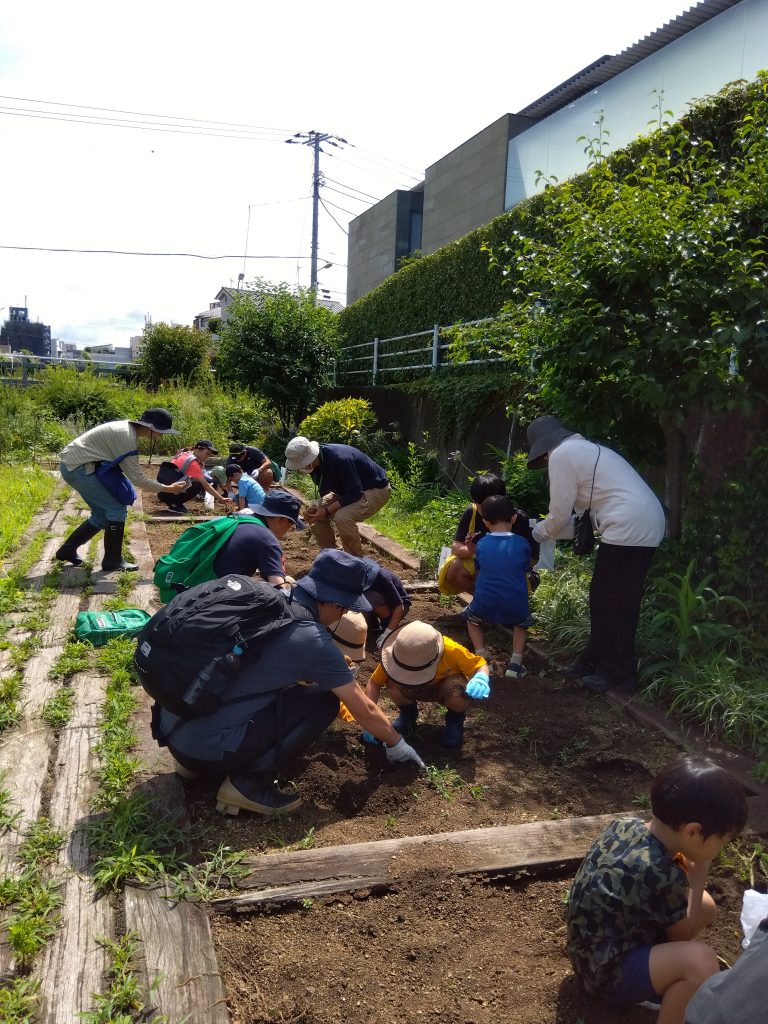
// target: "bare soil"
[[450, 950]]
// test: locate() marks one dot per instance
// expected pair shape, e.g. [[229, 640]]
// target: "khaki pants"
[[347, 518]]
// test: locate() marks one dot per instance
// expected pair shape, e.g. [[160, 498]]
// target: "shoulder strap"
[[187, 463], [592, 488], [473, 518], [119, 459]]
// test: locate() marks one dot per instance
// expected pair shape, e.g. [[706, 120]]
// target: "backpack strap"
[[118, 460]]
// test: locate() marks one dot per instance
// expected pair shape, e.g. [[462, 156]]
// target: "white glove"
[[402, 752], [380, 642]]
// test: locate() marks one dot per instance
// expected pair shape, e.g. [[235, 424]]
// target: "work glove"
[[477, 688], [380, 642], [368, 737], [402, 752]]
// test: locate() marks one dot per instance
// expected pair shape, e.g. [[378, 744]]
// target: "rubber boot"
[[407, 718], [68, 550], [452, 733], [263, 797], [113, 549]]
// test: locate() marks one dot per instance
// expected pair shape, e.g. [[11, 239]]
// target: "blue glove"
[[368, 737], [477, 688]]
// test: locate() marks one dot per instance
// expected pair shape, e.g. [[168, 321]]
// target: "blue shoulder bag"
[[115, 481]]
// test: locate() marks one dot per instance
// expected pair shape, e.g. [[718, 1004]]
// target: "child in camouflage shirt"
[[638, 899]]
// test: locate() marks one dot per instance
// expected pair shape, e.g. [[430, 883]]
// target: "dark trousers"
[[615, 596], [192, 491], [275, 737]]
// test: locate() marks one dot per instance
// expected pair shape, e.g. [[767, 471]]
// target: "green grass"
[[57, 711], [22, 493], [19, 1000], [125, 1001]]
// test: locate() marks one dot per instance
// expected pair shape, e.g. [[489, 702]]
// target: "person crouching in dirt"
[[420, 664], [251, 741], [388, 599]]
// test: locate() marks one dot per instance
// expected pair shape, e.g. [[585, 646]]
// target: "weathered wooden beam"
[[487, 850], [299, 891]]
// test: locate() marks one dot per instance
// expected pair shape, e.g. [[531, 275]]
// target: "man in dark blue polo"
[[353, 488]]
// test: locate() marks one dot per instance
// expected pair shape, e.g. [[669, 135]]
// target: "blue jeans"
[[104, 508]]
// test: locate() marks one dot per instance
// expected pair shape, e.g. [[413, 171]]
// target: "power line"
[[377, 174], [322, 203], [139, 113], [131, 252], [334, 205], [353, 189], [349, 195]]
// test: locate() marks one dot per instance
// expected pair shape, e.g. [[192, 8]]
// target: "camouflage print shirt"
[[627, 892]]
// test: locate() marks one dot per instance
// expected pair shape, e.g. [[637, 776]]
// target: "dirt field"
[[449, 950]]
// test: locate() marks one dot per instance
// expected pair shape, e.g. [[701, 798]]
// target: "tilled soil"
[[451, 950]]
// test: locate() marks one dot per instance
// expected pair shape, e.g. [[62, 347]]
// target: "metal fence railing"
[[21, 369], [374, 361]]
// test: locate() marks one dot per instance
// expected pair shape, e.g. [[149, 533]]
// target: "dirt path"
[[435, 948]]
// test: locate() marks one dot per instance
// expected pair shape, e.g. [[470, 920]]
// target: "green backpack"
[[100, 627], [190, 560]]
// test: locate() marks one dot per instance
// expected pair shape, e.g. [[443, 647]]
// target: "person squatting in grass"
[[418, 664], [388, 599], [457, 573], [638, 900], [249, 742], [79, 461], [502, 563], [350, 487]]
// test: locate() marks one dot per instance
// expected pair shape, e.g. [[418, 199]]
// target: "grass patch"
[[125, 1001], [57, 711], [22, 494]]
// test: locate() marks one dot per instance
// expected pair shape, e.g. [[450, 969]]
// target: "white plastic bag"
[[546, 551], [208, 500], [754, 909], [444, 554]]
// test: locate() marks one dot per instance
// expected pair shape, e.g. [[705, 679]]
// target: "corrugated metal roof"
[[607, 67]]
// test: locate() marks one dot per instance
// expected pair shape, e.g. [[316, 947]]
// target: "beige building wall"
[[466, 188], [372, 238]]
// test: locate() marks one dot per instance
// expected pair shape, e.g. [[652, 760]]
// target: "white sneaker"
[[515, 671]]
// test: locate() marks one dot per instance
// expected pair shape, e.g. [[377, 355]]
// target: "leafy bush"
[[339, 422], [174, 352], [82, 397]]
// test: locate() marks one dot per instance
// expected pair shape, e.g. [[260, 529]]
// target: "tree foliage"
[[174, 352], [278, 344], [638, 295]]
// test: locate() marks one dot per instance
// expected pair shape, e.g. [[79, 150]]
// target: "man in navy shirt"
[[255, 544], [352, 487]]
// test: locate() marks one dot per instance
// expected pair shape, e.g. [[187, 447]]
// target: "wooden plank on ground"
[[300, 891], [483, 850], [178, 954], [73, 964]]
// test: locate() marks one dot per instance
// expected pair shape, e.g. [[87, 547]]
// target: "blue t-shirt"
[[251, 548], [251, 490], [303, 651], [501, 591]]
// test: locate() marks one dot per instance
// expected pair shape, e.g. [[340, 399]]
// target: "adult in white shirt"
[[630, 521]]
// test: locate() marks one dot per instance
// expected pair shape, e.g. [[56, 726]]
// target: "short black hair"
[[694, 788], [232, 468], [497, 509], [485, 485]]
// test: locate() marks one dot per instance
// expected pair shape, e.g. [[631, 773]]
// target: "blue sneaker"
[[515, 671]]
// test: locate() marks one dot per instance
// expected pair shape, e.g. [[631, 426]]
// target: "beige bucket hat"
[[411, 654], [299, 452], [349, 634]]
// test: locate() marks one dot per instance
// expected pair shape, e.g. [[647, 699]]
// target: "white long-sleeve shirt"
[[106, 442], [625, 511]]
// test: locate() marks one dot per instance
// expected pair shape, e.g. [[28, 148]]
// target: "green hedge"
[[455, 284]]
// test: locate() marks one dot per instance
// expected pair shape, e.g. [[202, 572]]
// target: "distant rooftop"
[[609, 66]]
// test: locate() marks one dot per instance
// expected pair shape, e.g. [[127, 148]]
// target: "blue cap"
[[338, 578], [280, 503]]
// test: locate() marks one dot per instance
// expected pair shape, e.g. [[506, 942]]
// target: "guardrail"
[[367, 362]]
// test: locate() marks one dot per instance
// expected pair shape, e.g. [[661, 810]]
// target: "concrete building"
[[20, 334], [109, 353], [696, 54]]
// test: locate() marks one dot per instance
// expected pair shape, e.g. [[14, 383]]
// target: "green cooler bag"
[[99, 627]]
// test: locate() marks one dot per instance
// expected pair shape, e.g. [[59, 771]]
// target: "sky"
[[403, 83]]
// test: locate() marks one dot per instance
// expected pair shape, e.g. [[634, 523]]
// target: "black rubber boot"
[[68, 550], [113, 549]]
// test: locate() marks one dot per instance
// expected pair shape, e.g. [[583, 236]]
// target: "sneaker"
[[649, 1004], [595, 683], [268, 801], [182, 772], [576, 670], [176, 509], [515, 671]]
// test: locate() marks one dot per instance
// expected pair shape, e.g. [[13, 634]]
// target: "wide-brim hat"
[[299, 452], [411, 654], [349, 634], [544, 434], [280, 503], [158, 420], [338, 578]]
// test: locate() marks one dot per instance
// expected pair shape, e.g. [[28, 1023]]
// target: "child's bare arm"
[[701, 907], [373, 691]]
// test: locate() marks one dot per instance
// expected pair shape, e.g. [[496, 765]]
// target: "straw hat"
[[411, 654], [350, 634]]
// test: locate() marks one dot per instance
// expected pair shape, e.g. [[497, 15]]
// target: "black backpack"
[[192, 648]]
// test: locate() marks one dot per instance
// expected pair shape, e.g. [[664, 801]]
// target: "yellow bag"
[[469, 563]]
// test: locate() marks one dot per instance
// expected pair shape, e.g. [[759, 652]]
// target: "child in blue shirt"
[[249, 492], [502, 561]]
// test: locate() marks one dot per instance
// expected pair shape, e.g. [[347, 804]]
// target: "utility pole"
[[314, 139]]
